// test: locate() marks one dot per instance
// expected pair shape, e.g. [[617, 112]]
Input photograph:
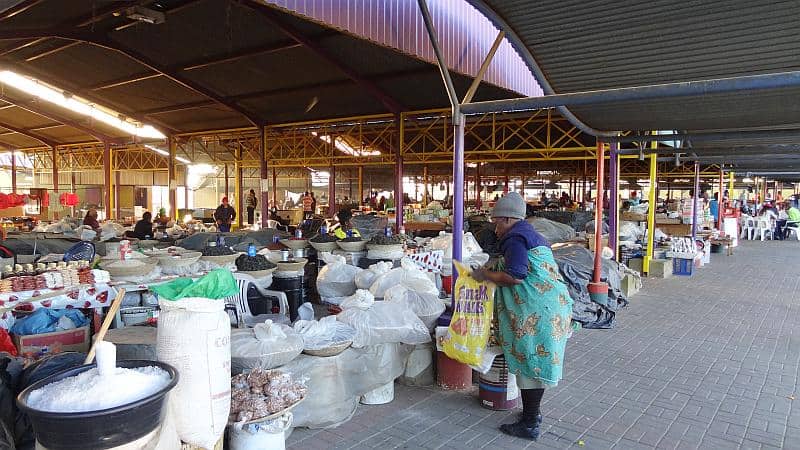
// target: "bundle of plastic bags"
[[337, 278], [428, 307], [365, 278], [408, 275], [266, 346], [382, 322], [323, 333]]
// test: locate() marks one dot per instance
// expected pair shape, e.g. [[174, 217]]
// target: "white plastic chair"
[[748, 227], [792, 227], [765, 228], [239, 309]]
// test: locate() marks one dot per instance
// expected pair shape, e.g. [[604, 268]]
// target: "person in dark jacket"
[[224, 215], [251, 202], [143, 228], [91, 219]]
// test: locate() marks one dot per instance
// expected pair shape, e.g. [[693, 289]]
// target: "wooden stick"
[[112, 312]]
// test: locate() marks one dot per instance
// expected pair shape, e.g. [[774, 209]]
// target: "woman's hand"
[[480, 275]]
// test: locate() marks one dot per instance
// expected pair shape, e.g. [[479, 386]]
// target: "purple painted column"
[[612, 204], [696, 199], [398, 155], [458, 192]]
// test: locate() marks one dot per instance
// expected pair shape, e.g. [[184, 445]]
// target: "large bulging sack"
[[194, 337], [337, 278], [266, 346], [408, 275]]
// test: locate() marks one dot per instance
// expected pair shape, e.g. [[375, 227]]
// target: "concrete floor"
[[709, 361]]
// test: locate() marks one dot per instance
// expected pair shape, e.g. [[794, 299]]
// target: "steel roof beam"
[[70, 123], [20, 7], [764, 150], [178, 78], [275, 20], [26, 132], [743, 83], [198, 64], [712, 136]]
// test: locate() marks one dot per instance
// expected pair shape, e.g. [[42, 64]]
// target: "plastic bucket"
[[451, 374], [497, 389], [419, 366], [379, 396], [106, 428], [267, 435], [135, 315]]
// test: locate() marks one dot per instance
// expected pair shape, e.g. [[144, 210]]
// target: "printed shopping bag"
[[469, 329]]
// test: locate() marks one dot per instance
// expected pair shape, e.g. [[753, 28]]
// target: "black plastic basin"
[[101, 429]]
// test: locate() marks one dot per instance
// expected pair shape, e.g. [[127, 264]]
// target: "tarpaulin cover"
[[575, 219], [336, 383], [576, 264], [554, 232]]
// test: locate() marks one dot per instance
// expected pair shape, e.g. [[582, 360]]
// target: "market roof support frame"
[[269, 14], [613, 211], [44, 140]]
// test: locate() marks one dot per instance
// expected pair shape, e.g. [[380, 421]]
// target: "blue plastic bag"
[[45, 320]]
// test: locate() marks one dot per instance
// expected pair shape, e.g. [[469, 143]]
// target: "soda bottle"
[[251, 250]]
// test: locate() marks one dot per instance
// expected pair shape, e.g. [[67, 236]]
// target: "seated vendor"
[[162, 219], [91, 219], [345, 225], [143, 228]]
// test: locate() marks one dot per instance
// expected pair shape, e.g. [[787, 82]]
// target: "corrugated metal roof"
[[589, 45], [464, 33]]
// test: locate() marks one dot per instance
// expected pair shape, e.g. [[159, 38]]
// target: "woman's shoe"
[[523, 429]]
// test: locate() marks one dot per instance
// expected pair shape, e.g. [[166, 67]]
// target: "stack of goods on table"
[[263, 393]]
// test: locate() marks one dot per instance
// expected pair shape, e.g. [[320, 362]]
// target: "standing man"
[[224, 215], [251, 202], [308, 205]]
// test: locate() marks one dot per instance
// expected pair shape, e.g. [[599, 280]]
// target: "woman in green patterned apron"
[[534, 310]]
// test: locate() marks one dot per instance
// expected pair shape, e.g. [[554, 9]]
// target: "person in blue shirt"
[[713, 207]]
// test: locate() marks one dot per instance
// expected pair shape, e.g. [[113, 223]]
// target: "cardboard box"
[[75, 340]]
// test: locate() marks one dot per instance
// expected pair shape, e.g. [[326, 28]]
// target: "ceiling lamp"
[[77, 105]]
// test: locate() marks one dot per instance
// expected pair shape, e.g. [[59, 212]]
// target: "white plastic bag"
[[87, 234], [385, 323], [444, 242], [194, 337], [365, 278], [266, 346], [337, 278], [362, 299], [323, 333], [408, 275], [428, 307]]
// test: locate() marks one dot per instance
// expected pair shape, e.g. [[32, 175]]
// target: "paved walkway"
[[706, 362]]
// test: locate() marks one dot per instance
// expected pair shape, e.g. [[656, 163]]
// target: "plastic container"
[[101, 429], [267, 435], [451, 374], [379, 396], [135, 315], [681, 266], [497, 389]]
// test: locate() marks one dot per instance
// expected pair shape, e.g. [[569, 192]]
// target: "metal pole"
[[55, 174], [275, 187], [666, 90], [227, 185], [478, 185], [484, 67], [237, 172], [331, 192], [696, 199], [719, 199], [263, 175], [14, 171], [172, 145], [443, 71], [458, 194], [117, 183], [107, 176], [651, 214], [730, 188], [398, 149], [598, 216], [613, 208], [426, 192], [360, 185]]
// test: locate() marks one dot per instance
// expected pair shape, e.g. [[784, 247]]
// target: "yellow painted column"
[[651, 214], [730, 187]]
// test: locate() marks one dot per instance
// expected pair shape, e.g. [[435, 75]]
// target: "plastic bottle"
[[251, 250]]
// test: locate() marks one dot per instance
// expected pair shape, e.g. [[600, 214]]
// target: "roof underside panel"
[[591, 45]]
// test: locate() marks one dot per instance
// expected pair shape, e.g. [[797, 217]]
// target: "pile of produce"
[[217, 251], [380, 239], [261, 393], [58, 278], [351, 239], [323, 238], [247, 263]]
